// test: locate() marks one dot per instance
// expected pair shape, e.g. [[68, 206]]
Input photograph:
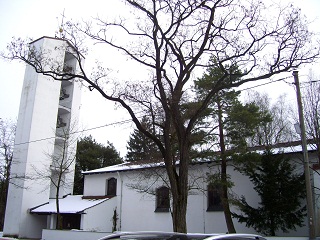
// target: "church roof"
[[286, 148], [127, 166], [69, 204]]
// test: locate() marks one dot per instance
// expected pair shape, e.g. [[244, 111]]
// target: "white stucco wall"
[[137, 209], [99, 217], [95, 185]]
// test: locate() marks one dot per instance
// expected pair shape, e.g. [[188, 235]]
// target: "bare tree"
[[280, 129], [7, 135], [311, 107], [61, 171], [311, 104], [174, 40]]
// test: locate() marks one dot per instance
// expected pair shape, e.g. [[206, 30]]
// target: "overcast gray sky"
[[37, 18]]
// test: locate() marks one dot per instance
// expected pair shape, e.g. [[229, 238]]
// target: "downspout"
[[120, 205]]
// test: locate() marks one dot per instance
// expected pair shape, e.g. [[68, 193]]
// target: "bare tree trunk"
[[59, 217], [179, 196], [179, 210], [178, 177], [225, 203]]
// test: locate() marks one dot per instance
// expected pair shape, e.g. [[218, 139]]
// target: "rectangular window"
[[214, 198], [162, 200], [111, 187]]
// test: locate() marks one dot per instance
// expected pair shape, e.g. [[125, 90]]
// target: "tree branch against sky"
[[281, 128], [7, 135], [173, 42], [22, 19], [311, 104]]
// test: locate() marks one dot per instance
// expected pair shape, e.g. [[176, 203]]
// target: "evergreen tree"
[[281, 190], [92, 155], [228, 123], [241, 123], [140, 147]]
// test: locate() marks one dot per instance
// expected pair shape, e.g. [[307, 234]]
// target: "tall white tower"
[[49, 110]]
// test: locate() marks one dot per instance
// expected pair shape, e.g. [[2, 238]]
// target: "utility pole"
[[310, 211]]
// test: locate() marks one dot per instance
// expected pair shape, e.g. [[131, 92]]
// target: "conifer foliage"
[[281, 190], [228, 123], [92, 155], [140, 147]]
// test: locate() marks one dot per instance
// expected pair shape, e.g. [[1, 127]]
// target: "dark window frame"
[[111, 187], [214, 198], [162, 199]]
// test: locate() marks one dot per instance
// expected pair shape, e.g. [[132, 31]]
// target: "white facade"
[[37, 139], [136, 210], [133, 206]]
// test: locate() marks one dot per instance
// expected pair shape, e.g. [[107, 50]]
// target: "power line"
[[106, 125], [312, 81], [263, 84], [280, 79], [85, 130], [129, 120]]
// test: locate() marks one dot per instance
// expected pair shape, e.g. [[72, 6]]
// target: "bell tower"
[[48, 113]]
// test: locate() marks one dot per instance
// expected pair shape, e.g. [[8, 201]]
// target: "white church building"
[[135, 197], [124, 197]]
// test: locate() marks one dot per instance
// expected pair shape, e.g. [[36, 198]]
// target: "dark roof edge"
[[31, 209]]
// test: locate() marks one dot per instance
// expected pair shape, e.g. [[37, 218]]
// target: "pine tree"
[[92, 155], [233, 121], [281, 190], [140, 147]]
